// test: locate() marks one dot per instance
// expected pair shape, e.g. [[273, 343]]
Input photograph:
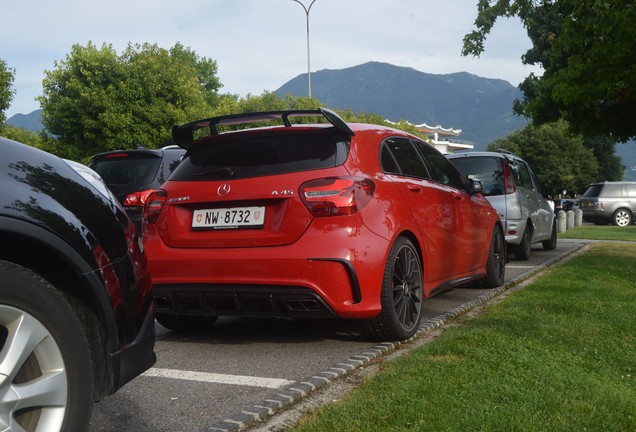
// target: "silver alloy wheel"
[[33, 379], [622, 218]]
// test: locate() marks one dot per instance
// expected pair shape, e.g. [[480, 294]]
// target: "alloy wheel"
[[407, 287], [33, 380]]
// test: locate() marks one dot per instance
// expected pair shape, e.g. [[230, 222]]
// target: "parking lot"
[[242, 370]]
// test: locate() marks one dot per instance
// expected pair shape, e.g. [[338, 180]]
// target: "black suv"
[[133, 174], [76, 310]]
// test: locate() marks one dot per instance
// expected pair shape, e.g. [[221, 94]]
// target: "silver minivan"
[[609, 202], [514, 190]]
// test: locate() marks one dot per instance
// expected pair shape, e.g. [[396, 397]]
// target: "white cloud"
[[259, 44]]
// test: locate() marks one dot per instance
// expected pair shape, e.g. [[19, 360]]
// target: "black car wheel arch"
[[54, 260]]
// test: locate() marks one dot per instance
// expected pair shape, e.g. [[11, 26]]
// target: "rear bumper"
[[258, 301], [596, 216], [327, 273], [514, 230]]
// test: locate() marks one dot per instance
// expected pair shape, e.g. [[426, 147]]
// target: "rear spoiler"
[[183, 135]]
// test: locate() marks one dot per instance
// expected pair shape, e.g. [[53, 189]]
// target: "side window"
[[537, 182], [613, 190], [387, 161], [521, 174], [443, 170], [405, 156]]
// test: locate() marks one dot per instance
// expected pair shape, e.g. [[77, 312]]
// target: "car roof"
[[139, 151], [613, 182], [500, 153]]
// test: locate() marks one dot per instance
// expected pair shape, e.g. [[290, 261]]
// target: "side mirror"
[[475, 186]]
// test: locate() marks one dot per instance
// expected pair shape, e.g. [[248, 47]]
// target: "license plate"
[[229, 218]]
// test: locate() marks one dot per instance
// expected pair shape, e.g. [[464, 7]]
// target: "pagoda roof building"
[[444, 139]]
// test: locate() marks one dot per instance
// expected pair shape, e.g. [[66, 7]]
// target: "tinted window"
[[593, 191], [537, 182], [404, 154], [613, 190], [387, 161], [254, 156], [521, 174], [169, 162], [127, 171], [443, 170], [487, 170]]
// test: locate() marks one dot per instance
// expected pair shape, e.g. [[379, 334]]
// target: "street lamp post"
[[307, 9]]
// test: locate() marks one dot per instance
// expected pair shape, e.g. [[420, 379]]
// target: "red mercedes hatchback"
[[314, 219]]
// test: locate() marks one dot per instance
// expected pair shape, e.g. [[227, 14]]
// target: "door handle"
[[414, 188]]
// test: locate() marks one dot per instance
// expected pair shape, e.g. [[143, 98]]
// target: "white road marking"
[[243, 380], [519, 267]]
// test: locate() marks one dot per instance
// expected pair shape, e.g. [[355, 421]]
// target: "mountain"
[[481, 107], [31, 121]]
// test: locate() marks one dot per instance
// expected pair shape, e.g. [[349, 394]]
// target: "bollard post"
[[561, 222], [578, 217], [569, 219]]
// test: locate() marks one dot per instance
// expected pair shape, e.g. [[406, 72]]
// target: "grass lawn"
[[601, 232], [556, 355]]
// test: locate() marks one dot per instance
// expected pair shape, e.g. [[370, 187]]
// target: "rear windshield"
[[593, 191], [487, 170], [261, 156], [127, 171]]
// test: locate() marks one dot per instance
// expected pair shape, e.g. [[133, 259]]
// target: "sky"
[[258, 45]]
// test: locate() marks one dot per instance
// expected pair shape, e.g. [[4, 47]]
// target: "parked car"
[[132, 174], [314, 220], [565, 205], [513, 188], [76, 310], [609, 202]]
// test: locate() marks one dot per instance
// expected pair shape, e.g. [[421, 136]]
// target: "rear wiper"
[[224, 171]]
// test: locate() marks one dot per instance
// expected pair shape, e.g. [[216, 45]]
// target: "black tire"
[[185, 323], [551, 244], [622, 217], [496, 265], [522, 250], [39, 325], [401, 296]]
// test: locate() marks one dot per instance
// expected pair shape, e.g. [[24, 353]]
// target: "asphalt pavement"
[[244, 372]]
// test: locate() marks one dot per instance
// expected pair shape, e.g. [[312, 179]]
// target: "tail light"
[[336, 196], [509, 181], [137, 199], [154, 205]]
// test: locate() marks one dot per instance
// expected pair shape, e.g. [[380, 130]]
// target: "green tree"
[[206, 71], [6, 90], [267, 101], [586, 50], [96, 100], [23, 136], [610, 167], [560, 160], [270, 101]]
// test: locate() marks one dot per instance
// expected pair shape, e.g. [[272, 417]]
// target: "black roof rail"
[[183, 135]]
